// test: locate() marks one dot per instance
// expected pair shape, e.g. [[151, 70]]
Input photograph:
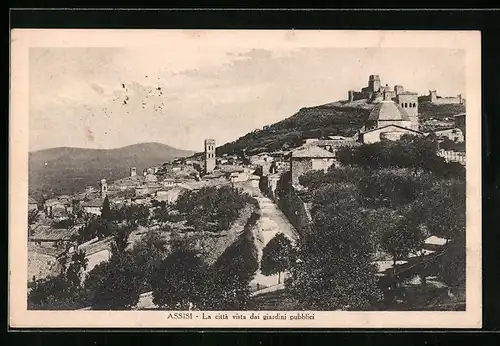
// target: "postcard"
[[245, 179]]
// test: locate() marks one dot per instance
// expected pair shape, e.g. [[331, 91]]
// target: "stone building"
[[93, 207], [388, 113], [454, 135], [307, 159], [133, 171], [388, 121], [460, 122], [376, 92], [209, 155], [104, 188], [433, 97], [51, 205], [32, 204], [388, 132]]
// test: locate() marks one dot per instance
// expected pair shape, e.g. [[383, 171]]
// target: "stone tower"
[[409, 102], [133, 171], [432, 95], [104, 188], [374, 82], [209, 155]]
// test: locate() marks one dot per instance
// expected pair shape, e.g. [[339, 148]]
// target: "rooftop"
[[93, 203], [312, 152], [98, 246], [388, 110], [45, 250], [47, 233]]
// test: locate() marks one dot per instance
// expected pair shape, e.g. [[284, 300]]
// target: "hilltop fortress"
[[376, 92]]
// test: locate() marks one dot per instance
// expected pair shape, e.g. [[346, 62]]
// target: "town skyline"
[[223, 94]]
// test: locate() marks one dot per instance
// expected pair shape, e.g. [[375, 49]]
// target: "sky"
[[180, 94]]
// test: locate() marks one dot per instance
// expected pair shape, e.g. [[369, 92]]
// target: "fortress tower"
[[104, 188], [133, 171], [209, 155], [374, 82]]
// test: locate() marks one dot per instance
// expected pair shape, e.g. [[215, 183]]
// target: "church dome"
[[388, 110]]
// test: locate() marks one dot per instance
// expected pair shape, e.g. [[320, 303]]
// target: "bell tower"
[[104, 188], [209, 155]]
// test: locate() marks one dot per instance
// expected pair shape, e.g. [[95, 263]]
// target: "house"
[[460, 121], [235, 177], [170, 195], [388, 132], [309, 158], [32, 204], [93, 206], [52, 237], [454, 135], [43, 262], [254, 181], [97, 252], [332, 145], [52, 204], [61, 214]]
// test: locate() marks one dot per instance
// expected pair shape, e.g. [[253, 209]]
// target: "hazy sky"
[[181, 94]]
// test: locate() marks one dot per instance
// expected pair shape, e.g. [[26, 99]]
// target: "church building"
[[388, 121]]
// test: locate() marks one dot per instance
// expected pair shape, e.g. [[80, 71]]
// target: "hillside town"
[[281, 187]]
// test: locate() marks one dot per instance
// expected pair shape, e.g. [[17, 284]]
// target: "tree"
[[334, 267], [443, 209], [51, 293], [453, 266], [121, 235], [76, 269], [227, 285], [178, 280], [401, 240], [148, 253], [276, 256], [33, 217], [114, 285], [106, 214]]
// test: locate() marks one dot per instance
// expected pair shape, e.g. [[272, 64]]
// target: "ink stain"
[[90, 135]]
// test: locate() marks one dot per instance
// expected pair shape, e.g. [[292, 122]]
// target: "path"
[[272, 222]]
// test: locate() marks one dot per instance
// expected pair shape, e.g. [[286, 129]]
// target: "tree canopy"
[[276, 255]]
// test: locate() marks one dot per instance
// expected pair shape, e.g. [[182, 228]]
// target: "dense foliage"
[[412, 152], [277, 256], [116, 284], [210, 208], [227, 285], [386, 199]]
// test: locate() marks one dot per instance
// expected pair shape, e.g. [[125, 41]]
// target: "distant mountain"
[[67, 170], [337, 118]]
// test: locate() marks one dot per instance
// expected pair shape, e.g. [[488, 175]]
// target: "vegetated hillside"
[[313, 122], [68, 170], [337, 118], [428, 110]]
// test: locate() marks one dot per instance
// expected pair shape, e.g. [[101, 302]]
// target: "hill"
[[311, 122], [67, 170], [428, 110], [338, 118]]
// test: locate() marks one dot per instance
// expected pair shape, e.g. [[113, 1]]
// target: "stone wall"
[[296, 210], [300, 166]]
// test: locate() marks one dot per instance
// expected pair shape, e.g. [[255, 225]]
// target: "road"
[[272, 222]]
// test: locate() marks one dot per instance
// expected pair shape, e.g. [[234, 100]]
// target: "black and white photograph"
[[246, 178]]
